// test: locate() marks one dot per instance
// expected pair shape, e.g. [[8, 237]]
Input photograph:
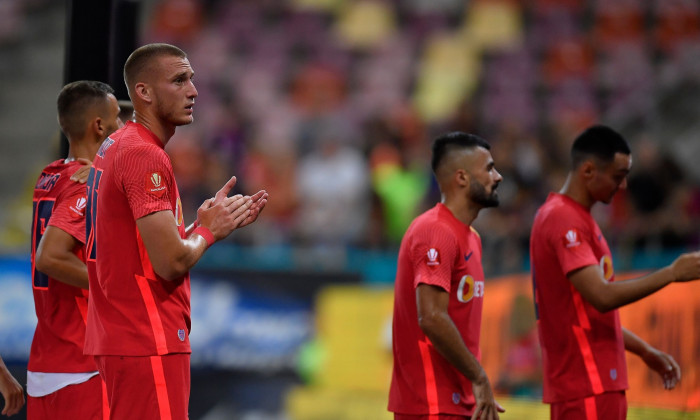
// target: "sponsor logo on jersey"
[[571, 238], [78, 208], [469, 289], [466, 257], [47, 181], [105, 145], [181, 334], [607, 266], [154, 184], [433, 257], [178, 212]]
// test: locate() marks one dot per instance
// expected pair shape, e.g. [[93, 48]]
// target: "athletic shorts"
[[85, 401], [606, 406], [147, 387], [398, 416]]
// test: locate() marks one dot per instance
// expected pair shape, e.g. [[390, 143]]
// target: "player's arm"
[[171, 256], [605, 296], [662, 363], [55, 258], [433, 319], [11, 391]]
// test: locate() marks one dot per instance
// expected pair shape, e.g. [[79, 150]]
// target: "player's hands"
[[224, 216], [686, 267], [12, 391], [665, 365], [259, 200], [81, 175], [486, 406]]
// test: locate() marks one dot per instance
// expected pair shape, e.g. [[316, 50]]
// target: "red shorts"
[[147, 387], [87, 400], [398, 416], [606, 406]]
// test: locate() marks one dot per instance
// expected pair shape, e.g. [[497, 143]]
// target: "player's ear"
[[461, 177], [587, 169], [143, 92], [99, 127], [95, 126]]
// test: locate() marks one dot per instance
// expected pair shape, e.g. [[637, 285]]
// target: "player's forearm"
[[628, 291], [447, 340], [65, 267], [634, 344], [180, 260]]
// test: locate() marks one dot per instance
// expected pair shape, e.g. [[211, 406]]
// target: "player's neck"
[[462, 211], [163, 131], [577, 192], [82, 149]]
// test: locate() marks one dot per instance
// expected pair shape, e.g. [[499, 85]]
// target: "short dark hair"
[[446, 143], [142, 56], [75, 100], [600, 142]]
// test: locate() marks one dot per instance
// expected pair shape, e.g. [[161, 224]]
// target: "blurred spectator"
[[333, 193]]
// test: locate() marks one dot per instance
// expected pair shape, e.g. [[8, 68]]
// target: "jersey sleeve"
[[146, 177], [69, 210], [433, 252], [570, 238]]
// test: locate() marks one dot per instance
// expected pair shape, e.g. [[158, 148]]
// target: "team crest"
[[78, 208], [433, 257], [155, 184], [181, 334], [571, 238]]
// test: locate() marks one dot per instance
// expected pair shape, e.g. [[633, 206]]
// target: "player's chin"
[[188, 119]]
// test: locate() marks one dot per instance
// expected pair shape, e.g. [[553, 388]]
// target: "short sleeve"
[[570, 238], [69, 210], [433, 251], [146, 177]]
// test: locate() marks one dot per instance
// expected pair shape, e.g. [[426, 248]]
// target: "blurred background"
[[331, 105]]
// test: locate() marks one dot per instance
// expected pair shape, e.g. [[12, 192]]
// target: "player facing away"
[[577, 296], [61, 381], [439, 293], [138, 251]]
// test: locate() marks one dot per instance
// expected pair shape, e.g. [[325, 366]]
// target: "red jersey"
[[132, 311], [61, 309], [439, 250], [583, 351]]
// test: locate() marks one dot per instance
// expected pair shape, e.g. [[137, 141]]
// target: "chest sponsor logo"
[[571, 238], [47, 181], [78, 208], [469, 289], [155, 184], [433, 257]]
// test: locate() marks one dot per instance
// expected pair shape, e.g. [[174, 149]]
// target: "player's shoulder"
[[135, 142], [557, 208], [430, 223]]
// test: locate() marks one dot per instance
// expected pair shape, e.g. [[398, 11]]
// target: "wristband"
[[206, 234]]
